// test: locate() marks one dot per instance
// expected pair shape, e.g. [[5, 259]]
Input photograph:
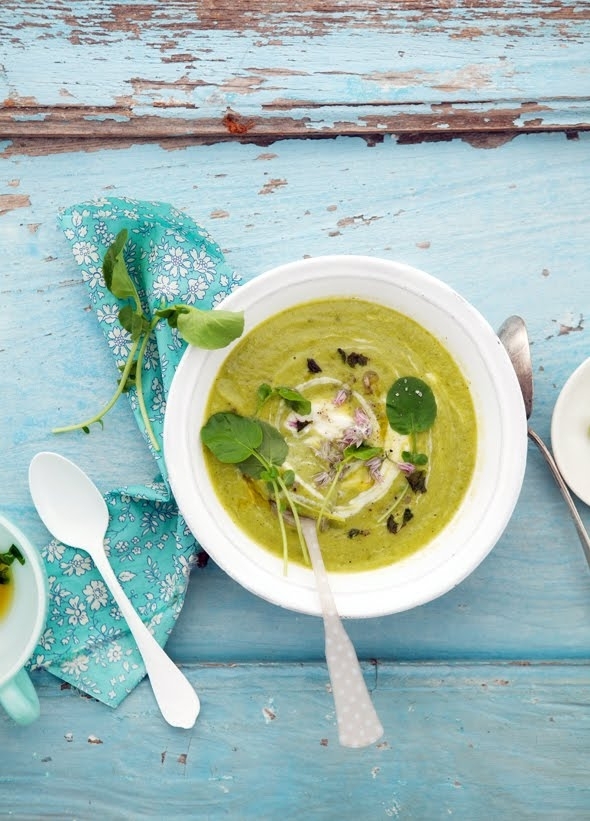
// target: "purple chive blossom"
[[360, 431], [322, 479], [329, 452], [406, 467], [374, 468], [363, 421], [341, 397]]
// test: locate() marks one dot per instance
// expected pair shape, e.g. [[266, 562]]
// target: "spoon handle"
[[582, 532], [176, 698], [358, 722]]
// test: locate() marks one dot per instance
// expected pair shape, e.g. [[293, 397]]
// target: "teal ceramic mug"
[[22, 620]]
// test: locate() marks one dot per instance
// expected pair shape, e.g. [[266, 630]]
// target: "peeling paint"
[[565, 329], [9, 202], [269, 714], [271, 186], [236, 124], [358, 219]]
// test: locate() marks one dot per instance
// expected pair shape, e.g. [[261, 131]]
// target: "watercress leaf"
[[263, 392], [269, 475], [126, 315], [114, 269], [273, 447], [414, 458], [136, 324], [171, 314], [230, 437], [410, 405], [363, 452], [209, 329], [272, 450], [15, 552], [289, 478], [295, 400], [117, 245]]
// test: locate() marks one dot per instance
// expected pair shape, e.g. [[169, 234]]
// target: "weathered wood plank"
[[506, 227], [458, 739], [253, 71]]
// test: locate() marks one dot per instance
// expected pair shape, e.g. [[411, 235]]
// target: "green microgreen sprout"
[[259, 450], [353, 453], [295, 400], [6, 559], [203, 329], [411, 408]]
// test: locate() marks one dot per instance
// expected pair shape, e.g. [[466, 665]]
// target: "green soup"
[[343, 355], [6, 589]]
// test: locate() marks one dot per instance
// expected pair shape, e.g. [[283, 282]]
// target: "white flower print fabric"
[[85, 641]]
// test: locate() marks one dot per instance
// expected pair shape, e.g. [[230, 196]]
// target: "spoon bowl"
[[74, 511]]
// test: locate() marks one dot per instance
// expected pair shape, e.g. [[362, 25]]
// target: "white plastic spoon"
[[358, 722], [74, 511]]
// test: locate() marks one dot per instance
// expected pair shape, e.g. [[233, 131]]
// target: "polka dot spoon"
[[358, 722]]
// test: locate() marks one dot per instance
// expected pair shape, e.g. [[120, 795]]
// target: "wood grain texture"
[[458, 739], [484, 692], [260, 72], [507, 228]]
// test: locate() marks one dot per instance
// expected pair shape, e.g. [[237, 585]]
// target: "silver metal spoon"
[[74, 511], [513, 335]]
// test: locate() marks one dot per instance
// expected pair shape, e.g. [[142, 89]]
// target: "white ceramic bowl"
[[570, 431], [501, 450]]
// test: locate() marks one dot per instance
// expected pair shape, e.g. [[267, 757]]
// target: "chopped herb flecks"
[[353, 359], [394, 526], [6, 559], [417, 481]]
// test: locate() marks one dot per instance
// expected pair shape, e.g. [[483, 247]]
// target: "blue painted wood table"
[[451, 136]]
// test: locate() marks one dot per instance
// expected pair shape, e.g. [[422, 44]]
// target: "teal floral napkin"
[[86, 642]]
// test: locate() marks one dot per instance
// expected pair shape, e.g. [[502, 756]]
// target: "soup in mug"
[[377, 426]]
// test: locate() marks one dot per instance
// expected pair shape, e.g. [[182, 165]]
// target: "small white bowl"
[[570, 431], [501, 448]]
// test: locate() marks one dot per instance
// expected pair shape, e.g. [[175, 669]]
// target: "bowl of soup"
[[364, 394]]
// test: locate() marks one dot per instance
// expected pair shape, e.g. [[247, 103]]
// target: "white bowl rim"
[[430, 572], [570, 438]]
